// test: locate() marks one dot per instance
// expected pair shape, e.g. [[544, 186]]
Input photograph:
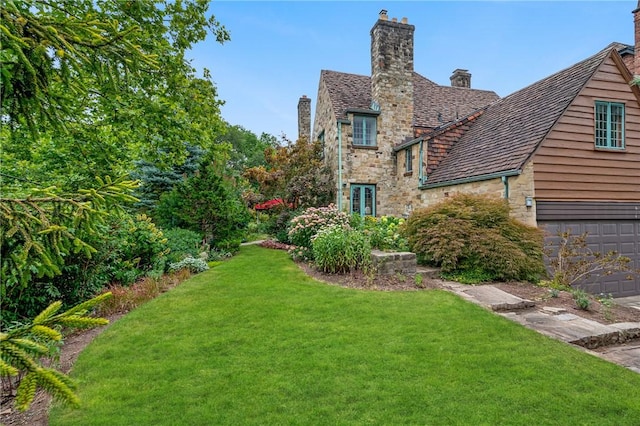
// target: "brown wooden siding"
[[567, 166]]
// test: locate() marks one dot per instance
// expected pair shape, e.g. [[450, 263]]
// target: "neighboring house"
[[564, 152]]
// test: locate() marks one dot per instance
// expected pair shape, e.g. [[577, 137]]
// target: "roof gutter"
[[505, 174]]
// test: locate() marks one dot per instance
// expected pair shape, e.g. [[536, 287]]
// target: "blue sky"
[[277, 49]]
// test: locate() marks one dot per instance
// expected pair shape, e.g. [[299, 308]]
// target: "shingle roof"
[[506, 135], [347, 91], [433, 104]]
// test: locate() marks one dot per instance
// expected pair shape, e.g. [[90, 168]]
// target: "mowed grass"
[[254, 341]]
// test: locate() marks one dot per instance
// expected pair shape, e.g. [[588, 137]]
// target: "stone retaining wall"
[[394, 263]]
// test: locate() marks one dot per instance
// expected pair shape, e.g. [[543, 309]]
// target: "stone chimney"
[[636, 22], [392, 78], [461, 78], [304, 118]]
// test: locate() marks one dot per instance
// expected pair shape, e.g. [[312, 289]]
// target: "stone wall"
[[409, 197], [304, 118], [394, 263], [325, 121]]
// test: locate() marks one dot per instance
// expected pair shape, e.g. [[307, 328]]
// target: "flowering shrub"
[[338, 250], [384, 233], [194, 265], [304, 227]]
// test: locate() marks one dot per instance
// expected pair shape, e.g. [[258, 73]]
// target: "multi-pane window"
[[363, 200], [364, 130], [609, 125], [408, 161]]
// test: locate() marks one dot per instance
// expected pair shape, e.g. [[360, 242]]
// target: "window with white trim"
[[364, 130], [609, 125]]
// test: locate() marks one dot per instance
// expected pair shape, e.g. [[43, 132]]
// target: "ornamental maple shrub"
[[475, 235]]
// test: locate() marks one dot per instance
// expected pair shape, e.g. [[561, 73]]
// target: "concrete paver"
[[631, 301]]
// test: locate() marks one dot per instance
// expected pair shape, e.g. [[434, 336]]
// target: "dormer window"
[[364, 130], [609, 125]]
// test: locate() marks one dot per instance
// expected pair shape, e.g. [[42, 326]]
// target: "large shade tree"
[[87, 88], [93, 86]]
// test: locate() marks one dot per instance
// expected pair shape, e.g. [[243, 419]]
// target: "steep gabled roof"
[[347, 91], [433, 104], [504, 138]]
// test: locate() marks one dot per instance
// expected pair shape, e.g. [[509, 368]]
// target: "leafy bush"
[[304, 227], [192, 264], [126, 248], [337, 250], [582, 299], [384, 233], [278, 224], [183, 243], [209, 203], [476, 233]]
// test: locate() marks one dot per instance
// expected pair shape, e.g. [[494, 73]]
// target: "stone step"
[[428, 272], [495, 299], [576, 330]]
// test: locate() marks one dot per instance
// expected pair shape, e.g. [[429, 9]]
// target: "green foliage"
[[126, 248], [261, 332], [192, 264], [247, 150], [582, 299], [572, 261], [207, 203], [474, 233], [156, 180], [337, 250], [606, 300], [468, 276], [384, 233], [42, 231], [22, 347], [296, 173], [305, 226], [89, 86], [183, 243], [278, 224]]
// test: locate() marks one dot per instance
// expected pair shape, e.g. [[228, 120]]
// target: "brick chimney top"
[[383, 15]]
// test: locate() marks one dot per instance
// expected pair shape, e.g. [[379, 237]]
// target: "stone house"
[[564, 151]]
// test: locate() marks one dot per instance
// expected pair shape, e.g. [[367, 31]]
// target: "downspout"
[[421, 171], [339, 192], [505, 181]]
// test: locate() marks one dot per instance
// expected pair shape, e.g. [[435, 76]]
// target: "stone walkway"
[[618, 343]]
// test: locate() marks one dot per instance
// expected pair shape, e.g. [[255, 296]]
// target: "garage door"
[[608, 228]]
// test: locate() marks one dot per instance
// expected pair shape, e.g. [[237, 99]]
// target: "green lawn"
[[255, 341]]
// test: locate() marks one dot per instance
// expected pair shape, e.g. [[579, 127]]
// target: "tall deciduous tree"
[[86, 88], [296, 173], [92, 86]]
